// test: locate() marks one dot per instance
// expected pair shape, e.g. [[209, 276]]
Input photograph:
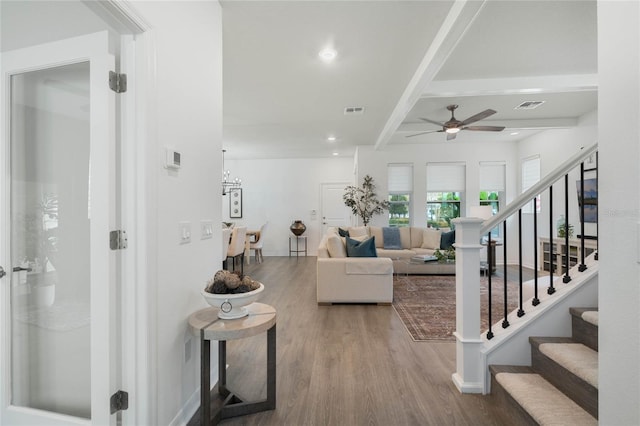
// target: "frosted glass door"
[[57, 208], [50, 293]]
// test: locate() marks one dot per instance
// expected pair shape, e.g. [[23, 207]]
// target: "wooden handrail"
[[538, 188]]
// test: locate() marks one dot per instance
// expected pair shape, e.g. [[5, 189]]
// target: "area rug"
[[426, 304]]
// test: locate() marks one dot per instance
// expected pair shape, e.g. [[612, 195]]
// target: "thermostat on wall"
[[173, 159]]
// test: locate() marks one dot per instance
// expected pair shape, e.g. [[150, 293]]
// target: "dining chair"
[[226, 239], [256, 245], [236, 247]]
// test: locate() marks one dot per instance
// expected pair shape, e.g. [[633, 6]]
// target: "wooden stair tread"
[[574, 357], [541, 400]]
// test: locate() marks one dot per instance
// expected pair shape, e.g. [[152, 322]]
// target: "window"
[[445, 193], [400, 183], [492, 188], [531, 176]]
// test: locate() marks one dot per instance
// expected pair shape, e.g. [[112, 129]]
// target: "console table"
[[206, 324]]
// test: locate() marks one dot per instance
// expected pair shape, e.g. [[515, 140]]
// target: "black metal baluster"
[[566, 277], [582, 266], [520, 310], [550, 289], [505, 322], [597, 210], [489, 260], [535, 301]]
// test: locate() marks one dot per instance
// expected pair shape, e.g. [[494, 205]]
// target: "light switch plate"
[[184, 232], [206, 229]]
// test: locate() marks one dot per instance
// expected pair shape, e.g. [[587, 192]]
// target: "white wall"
[[619, 198], [186, 114], [554, 147], [281, 191]]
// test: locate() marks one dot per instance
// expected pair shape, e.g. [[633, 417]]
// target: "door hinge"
[[118, 240], [117, 82], [119, 401]]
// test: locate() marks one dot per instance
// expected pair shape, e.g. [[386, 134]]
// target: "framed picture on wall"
[[235, 203]]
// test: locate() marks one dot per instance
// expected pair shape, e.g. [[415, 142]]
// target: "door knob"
[[2, 272]]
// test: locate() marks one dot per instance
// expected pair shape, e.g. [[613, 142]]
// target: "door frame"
[[138, 156]]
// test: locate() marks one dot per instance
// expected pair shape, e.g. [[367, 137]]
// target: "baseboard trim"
[[188, 410], [466, 387]]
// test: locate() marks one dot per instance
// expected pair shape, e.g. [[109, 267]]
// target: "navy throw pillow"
[[447, 239], [391, 238], [366, 248], [343, 232]]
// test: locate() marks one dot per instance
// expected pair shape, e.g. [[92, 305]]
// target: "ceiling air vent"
[[354, 111], [529, 105]]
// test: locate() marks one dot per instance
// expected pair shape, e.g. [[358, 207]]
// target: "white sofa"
[[342, 279]]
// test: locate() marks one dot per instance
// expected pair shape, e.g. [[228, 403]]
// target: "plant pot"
[[298, 228]]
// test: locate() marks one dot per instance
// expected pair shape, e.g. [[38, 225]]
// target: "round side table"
[[206, 324]]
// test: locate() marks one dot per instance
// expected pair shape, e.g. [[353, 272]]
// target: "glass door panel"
[[50, 287]]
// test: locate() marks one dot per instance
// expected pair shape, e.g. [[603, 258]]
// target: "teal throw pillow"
[[447, 239], [343, 232], [366, 248], [391, 238]]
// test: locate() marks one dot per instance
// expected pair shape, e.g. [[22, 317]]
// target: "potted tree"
[[363, 201]]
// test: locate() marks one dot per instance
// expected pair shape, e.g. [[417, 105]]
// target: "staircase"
[[561, 385]]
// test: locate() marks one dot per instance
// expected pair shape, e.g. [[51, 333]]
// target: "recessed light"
[[515, 133], [331, 138], [328, 54], [334, 154]]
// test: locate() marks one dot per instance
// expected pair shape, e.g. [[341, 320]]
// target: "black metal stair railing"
[[565, 255]]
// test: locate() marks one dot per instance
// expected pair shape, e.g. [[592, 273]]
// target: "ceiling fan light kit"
[[453, 126]]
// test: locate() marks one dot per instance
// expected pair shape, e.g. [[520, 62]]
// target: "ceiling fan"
[[453, 126]]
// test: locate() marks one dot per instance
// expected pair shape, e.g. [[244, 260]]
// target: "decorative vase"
[[298, 228]]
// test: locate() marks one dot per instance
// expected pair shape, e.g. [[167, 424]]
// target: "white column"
[[470, 375]]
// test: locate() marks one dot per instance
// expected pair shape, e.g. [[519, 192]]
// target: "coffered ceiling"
[[400, 61]]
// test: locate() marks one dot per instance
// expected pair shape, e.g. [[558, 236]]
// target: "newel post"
[[469, 375]]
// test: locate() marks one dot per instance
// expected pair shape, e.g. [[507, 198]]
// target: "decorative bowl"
[[232, 306]]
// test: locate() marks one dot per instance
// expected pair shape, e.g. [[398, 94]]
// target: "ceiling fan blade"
[[479, 116], [484, 128], [432, 121], [424, 133], [451, 136]]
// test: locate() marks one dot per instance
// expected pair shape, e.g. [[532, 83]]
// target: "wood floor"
[[346, 364]]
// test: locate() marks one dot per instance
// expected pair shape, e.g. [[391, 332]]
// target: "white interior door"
[[334, 212], [57, 208]]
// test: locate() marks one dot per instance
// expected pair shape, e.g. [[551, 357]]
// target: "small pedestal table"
[[206, 324]]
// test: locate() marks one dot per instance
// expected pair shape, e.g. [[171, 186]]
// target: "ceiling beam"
[[458, 20], [514, 85], [527, 124]]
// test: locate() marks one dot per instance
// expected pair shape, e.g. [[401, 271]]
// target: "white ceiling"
[[400, 60]]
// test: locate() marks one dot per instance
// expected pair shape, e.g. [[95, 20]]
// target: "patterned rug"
[[426, 304]]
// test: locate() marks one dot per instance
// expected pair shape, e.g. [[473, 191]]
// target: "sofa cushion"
[[416, 236], [376, 231], [405, 237], [358, 231], [391, 238], [395, 254], [336, 246], [366, 248], [431, 239], [447, 239]]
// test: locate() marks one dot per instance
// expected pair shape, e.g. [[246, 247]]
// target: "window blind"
[[400, 178], [530, 172], [492, 176], [445, 177]]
